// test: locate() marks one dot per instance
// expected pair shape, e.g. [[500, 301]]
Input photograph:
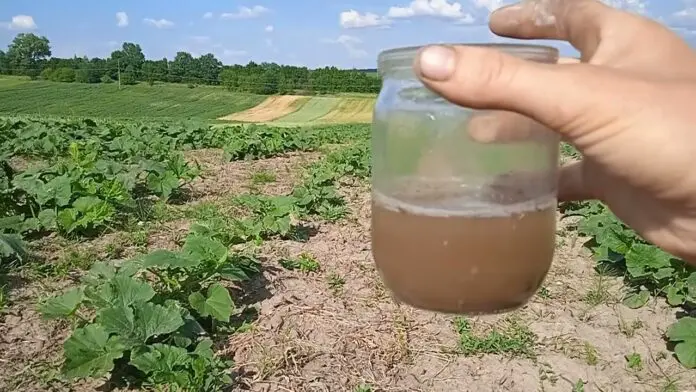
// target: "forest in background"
[[30, 55]]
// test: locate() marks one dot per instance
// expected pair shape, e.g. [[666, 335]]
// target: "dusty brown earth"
[[270, 109], [337, 329]]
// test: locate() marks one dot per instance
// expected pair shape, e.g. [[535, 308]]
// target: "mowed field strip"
[[289, 110], [270, 109], [315, 108]]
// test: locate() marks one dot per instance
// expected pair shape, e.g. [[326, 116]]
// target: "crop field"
[[161, 101], [167, 257]]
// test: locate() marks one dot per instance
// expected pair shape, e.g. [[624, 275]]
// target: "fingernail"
[[437, 63]]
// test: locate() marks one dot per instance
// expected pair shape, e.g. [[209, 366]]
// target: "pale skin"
[[627, 106]]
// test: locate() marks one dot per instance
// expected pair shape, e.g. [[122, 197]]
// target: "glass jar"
[[463, 201]]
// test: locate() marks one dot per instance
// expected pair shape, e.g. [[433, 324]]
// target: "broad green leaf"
[[11, 223], [101, 295], [637, 300], [118, 319], [166, 258], [99, 272], [642, 258], [206, 249], [11, 245], [674, 297], [66, 219], [691, 285], [683, 330], [686, 353], [129, 291], [87, 203], [218, 304], [152, 320], [663, 273], [58, 189], [161, 358], [130, 268], [90, 352], [204, 349], [63, 305], [48, 219]]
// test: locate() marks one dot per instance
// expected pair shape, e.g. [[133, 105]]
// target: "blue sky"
[[344, 33]]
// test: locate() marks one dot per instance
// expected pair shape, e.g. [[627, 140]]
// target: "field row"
[[292, 110], [177, 102], [171, 257]]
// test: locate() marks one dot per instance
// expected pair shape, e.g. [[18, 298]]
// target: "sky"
[[313, 33]]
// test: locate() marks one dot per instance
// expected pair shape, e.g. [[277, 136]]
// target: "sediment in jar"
[[464, 253]]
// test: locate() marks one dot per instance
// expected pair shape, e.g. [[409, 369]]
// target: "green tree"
[[25, 53], [131, 57]]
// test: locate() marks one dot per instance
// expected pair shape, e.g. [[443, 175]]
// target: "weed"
[[262, 177], [544, 293], [634, 361], [4, 301], [512, 338], [590, 353], [598, 293], [363, 388], [74, 260], [629, 329], [579, 386], [305, 262], [546, 373], [336, 283]]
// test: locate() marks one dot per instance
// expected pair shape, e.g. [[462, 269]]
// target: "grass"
[[512, 337], [161, 101], [312, 110], [305, 263]]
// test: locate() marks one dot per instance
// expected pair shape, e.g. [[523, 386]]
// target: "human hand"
[[629, 107]]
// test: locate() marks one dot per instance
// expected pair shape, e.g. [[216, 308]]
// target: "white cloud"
[[269, 28], [490, 5], [350, 43], [245, 12], [208, 15], [121, 19], [233, 52], [638, 6], [159, 23], [20, 22], [352, 19], [439, 8]]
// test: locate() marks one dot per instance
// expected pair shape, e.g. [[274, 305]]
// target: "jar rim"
[[403, 56]]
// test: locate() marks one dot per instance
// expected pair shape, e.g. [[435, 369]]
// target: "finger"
[[579, 22], [572, 185], [506, 127], [571, 99]]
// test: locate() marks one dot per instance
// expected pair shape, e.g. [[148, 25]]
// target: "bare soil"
[[270, 109], [338, 329]]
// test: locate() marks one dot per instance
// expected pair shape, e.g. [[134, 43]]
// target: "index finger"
[[579, 22]]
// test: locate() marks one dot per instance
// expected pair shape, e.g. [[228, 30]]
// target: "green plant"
[[646, 269], [512, 338], [150, 315], [634, 361], [304, 262]]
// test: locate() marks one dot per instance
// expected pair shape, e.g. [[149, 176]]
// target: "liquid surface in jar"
[[463, 255]]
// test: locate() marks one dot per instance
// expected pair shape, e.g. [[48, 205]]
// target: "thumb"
[[560, 97]]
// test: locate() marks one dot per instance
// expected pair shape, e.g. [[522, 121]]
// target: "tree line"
[[30, 55]]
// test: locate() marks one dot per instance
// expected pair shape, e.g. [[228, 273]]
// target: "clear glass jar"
[[463, 217]]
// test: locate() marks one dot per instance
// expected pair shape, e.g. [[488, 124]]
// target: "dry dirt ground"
[[270, 109], [337, 329]]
